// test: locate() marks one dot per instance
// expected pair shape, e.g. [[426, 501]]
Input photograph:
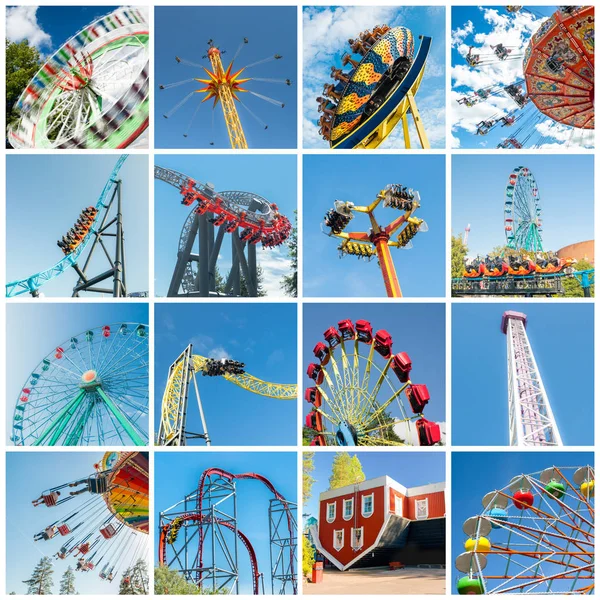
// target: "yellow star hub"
[[225, 86]]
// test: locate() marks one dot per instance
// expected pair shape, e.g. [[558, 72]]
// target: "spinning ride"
[[91, 390], [182, 373], [363, 106], [198, 537], [93, 92], [534, 536], [348, 408], [94, 225], [523, 212], [259, 220], [377, 241], [107, 528], [224, 86]]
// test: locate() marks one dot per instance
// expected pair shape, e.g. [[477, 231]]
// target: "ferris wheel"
[[534, 536], [364, 395], [91, 390], [93, 92], [523, 212]]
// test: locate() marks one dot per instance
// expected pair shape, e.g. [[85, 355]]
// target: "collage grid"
[[467, 466]]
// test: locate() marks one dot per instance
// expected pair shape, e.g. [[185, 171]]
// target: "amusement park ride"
[[91, 390], [377, 241], [524, 268], [225, 86], [93, 231], [530, 418], [259, 220], [348, 409], [534, 536], [199, 537], [93, 92], [363, 105], [556, 87], [107, 528], [182, 374]]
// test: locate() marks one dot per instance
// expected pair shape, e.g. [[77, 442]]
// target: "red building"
[[380, 521]]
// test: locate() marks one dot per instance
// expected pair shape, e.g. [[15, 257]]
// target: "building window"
[[367, 505], [331, 512], [338, 539], [398, 500], [422, 508], [357, 538], [348, 509]]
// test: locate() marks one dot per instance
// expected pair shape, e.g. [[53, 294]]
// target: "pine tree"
[[134, 581], [290, 282], [67, 583], [41, 579], [172, 583], [345, 470]]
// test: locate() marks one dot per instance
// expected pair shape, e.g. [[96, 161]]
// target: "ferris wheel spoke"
[[117, 364], [123, 420]]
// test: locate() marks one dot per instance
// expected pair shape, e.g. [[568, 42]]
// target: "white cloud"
[[460, 33], [22, 24], [275, 265], [218, 352]]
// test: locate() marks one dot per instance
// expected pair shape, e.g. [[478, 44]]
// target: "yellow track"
[[170, 403]]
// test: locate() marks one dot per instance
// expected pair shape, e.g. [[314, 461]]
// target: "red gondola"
[[429, 432], [383, 343], [313, 395], [315, 372], [321, 351], [418, 396], [364, 331], [347, 329], [401, 365], [332, 337]]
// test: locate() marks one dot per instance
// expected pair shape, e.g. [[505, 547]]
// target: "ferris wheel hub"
[[90, 380]]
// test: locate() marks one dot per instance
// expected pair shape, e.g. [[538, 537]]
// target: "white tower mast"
[[530, 416], [466, 235]]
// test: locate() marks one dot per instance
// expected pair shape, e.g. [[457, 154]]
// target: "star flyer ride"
[[93, 92], [377, 241], [556, 90], [91, 390], [363, 105], [258, 221], [106, 527], [348, 408], [182, 374], [89, 233], [533, 536], [199, 537], [225, 86]]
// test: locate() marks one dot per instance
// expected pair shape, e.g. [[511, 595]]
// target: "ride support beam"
[[123, 420], [390, 278], [203, 255], [60, 422], [182, 260], [249, 276], [417, 120]]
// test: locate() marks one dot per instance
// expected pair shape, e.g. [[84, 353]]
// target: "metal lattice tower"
[[531, 421], [223, 84], [283, 546]]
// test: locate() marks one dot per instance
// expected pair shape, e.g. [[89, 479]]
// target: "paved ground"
[[380, 580]]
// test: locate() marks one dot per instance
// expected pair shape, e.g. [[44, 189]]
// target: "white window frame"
[[331, 519], [335, 532], [362, 505], [362, 537], [417, 511], [351, 500], [398, 504]]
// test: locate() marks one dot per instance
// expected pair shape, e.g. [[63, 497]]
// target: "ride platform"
[[527, 286]]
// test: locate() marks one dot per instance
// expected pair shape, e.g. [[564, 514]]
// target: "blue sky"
[[421, 270], [271, 176], [478, 194], [561, 336], [32, 332], [30, 189], [417, 329], [184, 32], [482, 27], [50, 469], [48, 27], [326, 31], [409, 469], [490, 471], [263, 336], [179, 474]]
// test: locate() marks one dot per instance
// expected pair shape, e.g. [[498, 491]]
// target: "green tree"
[[67, 583], [290, 282], [40, 582], [171, 582], [308, 555], [345, 470], [222, 282], [572, 286], [308, 466], [134, 581], [457, 256], [307, 435], [22, 63]]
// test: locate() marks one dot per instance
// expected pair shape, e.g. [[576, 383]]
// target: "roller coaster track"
[[173, 415], [34, 282]]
